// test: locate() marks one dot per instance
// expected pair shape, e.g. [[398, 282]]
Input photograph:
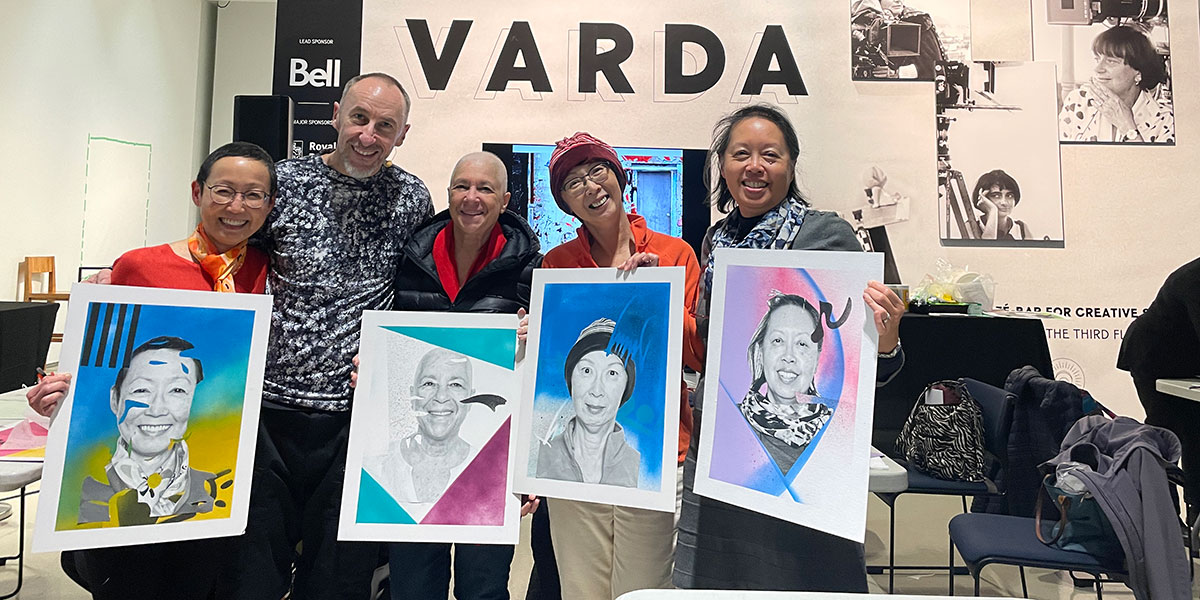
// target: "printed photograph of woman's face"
[[783, 406], [1114, 72]]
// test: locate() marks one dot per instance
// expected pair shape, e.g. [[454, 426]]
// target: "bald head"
[[387, 80], [482, 163], [443, 358], [478, 195]]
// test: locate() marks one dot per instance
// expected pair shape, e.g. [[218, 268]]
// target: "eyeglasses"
[[597, 175], [223, 194]]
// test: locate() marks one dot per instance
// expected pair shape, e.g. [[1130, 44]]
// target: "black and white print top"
[[334, 243], [1081, 120]]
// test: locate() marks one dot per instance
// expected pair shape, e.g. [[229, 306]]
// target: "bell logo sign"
[[299, 74]]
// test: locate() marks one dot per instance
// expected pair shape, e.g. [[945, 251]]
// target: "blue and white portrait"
[[605, 384]]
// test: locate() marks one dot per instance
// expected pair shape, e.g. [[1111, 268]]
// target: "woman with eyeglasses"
[[235, 190], [604, 551]]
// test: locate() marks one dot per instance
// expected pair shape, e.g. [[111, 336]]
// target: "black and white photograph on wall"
[[885, 201], [999, 176], [907, 39], [1114, 69]]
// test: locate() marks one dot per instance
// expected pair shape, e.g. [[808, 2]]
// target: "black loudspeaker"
[[266, 121]]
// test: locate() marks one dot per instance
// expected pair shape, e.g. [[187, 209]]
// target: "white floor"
[[921, 539]]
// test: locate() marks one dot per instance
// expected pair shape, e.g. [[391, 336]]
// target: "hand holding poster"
[[607, 347], [430, 435], [155, 441], [790, 386]]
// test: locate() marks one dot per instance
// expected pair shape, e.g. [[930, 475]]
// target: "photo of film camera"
[[882, 44], [951, 83], [1087, 12]]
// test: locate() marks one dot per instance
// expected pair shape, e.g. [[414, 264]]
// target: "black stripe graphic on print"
[[112, 358], [108, 313], [133, 323], [89, 335]]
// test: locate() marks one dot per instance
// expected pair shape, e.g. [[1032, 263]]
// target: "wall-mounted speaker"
[[266, 121]]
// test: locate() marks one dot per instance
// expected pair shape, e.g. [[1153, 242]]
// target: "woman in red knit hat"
[[602, 550]]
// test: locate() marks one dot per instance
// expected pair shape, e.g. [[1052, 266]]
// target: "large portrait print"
[[155, 441], [429, 453], [789, 387], [601, 424], [999, 179], [1115, 83]]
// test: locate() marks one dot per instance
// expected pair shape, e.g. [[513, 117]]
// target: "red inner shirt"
[[447, 267]]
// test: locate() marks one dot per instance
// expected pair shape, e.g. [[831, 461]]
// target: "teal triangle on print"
[[375, 505], [496, 346]]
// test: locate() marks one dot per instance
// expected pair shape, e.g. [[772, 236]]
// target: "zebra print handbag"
[[943, 436]]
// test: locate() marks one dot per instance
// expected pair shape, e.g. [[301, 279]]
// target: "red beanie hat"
[[573, 151]]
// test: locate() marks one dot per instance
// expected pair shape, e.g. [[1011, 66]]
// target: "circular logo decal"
[[1069, 371]]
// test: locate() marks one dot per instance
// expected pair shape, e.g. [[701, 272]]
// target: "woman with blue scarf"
[[722, 546]]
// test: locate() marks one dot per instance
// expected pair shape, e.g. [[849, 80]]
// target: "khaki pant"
[[604, 551]]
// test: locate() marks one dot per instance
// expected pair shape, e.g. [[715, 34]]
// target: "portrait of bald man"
[[418, 467]]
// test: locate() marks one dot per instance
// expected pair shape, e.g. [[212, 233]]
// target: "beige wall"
[[245, 47], [133, 70], [1126, 210]]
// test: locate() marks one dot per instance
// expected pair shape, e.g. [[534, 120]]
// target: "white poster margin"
[[664, 498], [45, 537], [349, 529], [849, 519]]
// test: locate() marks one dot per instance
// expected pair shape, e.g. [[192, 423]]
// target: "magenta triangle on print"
[[478, 496]]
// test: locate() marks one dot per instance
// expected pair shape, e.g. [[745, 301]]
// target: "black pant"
[[298, 471], [1182, 417], [186, 570], [421, 570], [543, 580]]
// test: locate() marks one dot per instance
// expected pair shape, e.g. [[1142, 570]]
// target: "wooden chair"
[[43, 265]]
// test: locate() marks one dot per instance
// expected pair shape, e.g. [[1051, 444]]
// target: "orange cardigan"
[[672, 252]]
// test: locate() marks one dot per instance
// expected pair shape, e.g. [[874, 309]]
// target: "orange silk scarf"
[[220, 267]]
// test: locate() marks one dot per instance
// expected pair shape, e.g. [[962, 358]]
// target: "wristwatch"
[[893, 354]]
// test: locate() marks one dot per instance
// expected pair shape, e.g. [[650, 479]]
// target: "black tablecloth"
[[25, 329], [949, 347]]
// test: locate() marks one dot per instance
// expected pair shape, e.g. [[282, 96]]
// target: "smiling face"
[[597, 384], [369, 122], [1115, 74], [590, 201], [443, 381], [154, 400], [788, 354], [756, 166], [477, 194], [231, 224]]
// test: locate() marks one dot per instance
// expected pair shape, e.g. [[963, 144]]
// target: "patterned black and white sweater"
[[334, 242]]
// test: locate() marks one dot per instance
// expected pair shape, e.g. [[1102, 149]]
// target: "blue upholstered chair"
[[985, 539]]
